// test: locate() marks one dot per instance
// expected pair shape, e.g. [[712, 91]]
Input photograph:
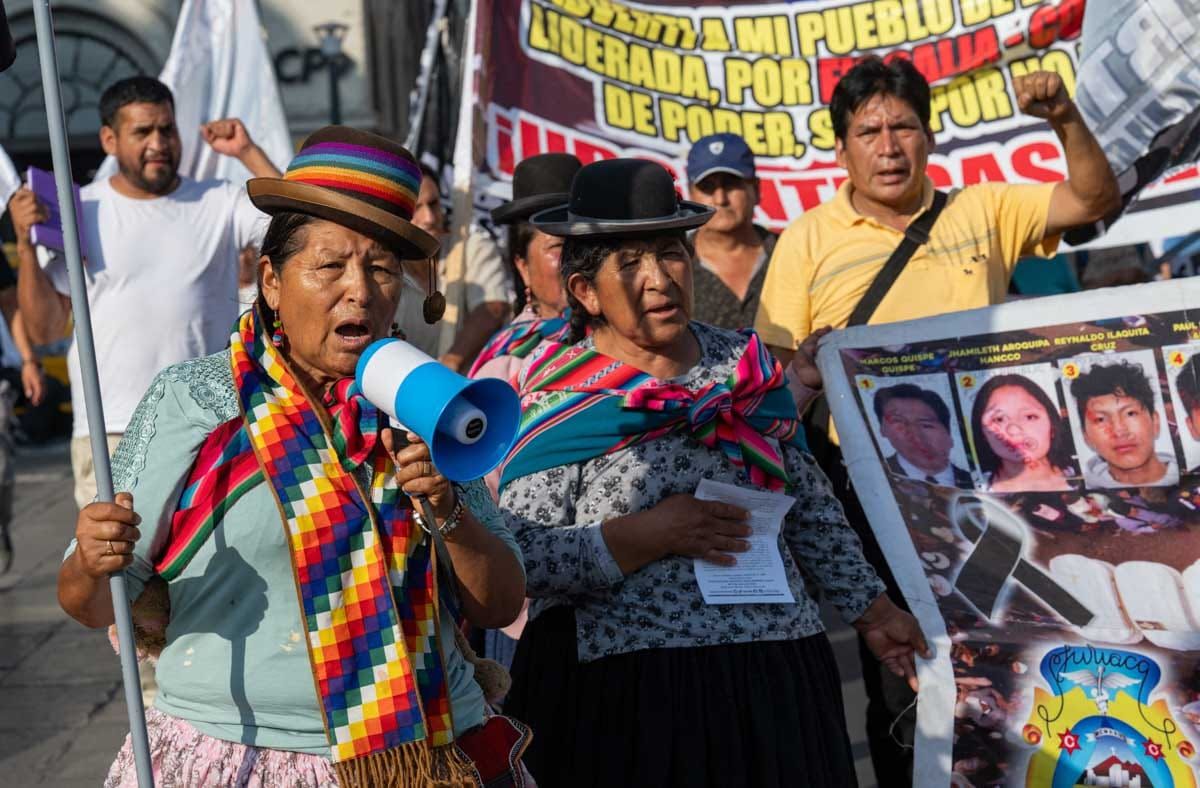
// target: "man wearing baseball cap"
[[731, 251]]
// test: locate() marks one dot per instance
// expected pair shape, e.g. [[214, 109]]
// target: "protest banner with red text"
[[600, 79]]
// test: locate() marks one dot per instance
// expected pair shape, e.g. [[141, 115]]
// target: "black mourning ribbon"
[[999, 536]]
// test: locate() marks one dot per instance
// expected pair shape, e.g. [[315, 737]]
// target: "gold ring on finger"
[[111, 551]]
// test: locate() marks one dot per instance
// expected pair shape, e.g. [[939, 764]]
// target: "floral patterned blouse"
[[556, 515]]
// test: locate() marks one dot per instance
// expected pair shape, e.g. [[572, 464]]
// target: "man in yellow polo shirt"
[[825, 261]]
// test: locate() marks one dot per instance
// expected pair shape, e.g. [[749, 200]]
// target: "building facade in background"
[[101, 41]]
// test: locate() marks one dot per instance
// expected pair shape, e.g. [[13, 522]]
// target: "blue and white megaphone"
[[469, 425]]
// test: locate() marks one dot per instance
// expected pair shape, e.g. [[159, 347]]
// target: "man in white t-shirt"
[[161, 257]]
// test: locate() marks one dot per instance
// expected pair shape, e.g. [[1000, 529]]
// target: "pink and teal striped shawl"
[[520, 338], [578, 403]]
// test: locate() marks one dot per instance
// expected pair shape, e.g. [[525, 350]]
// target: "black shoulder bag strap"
[[915, 235], [816, 420]]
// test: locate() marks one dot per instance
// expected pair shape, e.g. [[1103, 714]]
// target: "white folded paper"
[[758, 577]]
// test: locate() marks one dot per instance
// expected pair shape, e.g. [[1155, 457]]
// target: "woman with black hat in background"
[[539, 182], [626, 674]]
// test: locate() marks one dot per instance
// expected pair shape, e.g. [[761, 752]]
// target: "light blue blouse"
[[235, 665]]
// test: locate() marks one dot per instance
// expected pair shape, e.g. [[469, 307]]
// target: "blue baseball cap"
[[724, 152]]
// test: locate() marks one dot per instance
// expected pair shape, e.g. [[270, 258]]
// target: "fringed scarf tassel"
[[412, 765]]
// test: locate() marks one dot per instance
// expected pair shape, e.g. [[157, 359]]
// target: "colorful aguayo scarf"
[[365, 577], [519, 339], [578, 403]]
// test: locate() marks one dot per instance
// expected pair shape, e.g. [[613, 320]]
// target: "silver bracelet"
[[448, 525]]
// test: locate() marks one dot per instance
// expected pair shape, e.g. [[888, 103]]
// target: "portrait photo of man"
[[1187, 387], [1119, 421], [916, 422]]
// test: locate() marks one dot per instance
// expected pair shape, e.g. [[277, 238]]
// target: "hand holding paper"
[[678, 525], [709, 530], [47, 230], [758, 575], [803, 366], [26, 211]]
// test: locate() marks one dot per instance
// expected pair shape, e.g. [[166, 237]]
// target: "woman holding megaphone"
[[629, 673], [312, 636]]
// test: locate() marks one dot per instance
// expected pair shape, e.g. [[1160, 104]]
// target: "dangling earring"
[[277, 334], [529, 302], [434, 305]]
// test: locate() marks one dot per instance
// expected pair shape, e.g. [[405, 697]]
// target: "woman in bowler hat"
[[539, 182], [313, 627], [629, 674]]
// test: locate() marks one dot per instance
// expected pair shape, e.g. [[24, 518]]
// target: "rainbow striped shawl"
[[578, 403], [366, 576], [520, 338]]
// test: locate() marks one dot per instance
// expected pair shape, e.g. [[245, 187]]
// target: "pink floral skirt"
[[183, 757]]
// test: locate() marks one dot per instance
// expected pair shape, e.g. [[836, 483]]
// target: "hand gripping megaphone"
[[469, 425]]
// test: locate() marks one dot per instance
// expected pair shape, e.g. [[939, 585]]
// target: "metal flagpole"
[[86, 348]]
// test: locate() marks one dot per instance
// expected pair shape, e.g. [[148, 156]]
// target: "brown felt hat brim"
[[275, 195]]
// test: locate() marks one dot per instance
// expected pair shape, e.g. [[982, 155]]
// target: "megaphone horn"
[[469, 425]]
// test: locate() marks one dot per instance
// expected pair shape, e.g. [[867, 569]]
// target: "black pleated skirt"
[[758, 715]]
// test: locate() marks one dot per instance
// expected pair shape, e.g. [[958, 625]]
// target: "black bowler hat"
[[539, 182], [621, 197]]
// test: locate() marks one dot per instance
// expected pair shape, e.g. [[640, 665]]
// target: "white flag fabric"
[[219, 67], [9, 180], [1139, 74], [1139, 92]]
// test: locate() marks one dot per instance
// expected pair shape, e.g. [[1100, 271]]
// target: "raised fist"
[[1042, 94], [227, 137]]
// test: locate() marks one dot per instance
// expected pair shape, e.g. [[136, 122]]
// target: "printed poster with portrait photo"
[[1183, 377], [1043, 522], [911, 420], [1014, 423], [1116, 434]]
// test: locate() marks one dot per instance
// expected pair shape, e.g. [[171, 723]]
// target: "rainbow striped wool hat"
[[356, 179]]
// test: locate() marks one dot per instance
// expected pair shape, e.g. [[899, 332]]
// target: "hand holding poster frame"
[[1043, 522]]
